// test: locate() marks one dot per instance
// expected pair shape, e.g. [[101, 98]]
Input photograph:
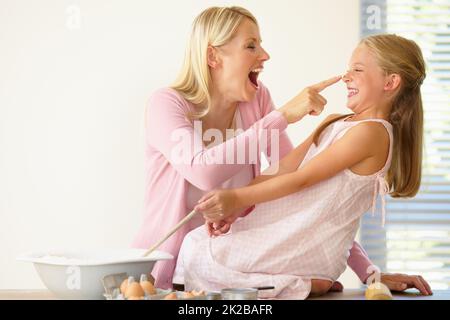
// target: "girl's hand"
[[401, 282], [216, 229], [218, 205]]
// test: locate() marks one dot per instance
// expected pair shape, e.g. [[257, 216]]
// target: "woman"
[[218, 85]]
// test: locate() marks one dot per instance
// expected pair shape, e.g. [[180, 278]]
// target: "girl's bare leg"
[[319, 287]]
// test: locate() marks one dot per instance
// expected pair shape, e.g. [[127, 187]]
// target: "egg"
[[134, 289], [171, 296], [188, 295], [125, 283], [147, 286], [198, 293], [123, 286], [135, 298], [378, 291]]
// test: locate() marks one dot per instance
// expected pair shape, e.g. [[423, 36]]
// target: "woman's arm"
[[168, 131], [309, 99], [284, 145], [359, 261], [358, 144]]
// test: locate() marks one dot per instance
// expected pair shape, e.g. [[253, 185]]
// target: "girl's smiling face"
[[365, 81], [236, 65]]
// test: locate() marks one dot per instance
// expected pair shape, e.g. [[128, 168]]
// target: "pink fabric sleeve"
[[285, 144], [359, 261], [172, 134]]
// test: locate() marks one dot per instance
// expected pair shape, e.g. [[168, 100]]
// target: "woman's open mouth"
[[253, 76]]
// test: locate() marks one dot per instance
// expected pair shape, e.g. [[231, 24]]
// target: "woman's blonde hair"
[[397, 55], [215, 26]]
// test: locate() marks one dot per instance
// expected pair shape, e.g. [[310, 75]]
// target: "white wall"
[[72, 100]]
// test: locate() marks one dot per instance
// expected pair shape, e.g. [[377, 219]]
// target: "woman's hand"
[[401, 282], [218, 205], [309, 101], [396, 282]]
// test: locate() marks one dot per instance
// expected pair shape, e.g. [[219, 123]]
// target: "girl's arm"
[[287, 164], [355, 146], [359, 143], [292, 160]]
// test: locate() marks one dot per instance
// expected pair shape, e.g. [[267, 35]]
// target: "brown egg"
[[135, 298], [123, 286], [198, 293], [134, 289], [187, 295], [171, 296], [148, 287], [125, 283]]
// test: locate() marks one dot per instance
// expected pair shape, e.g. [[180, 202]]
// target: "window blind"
[[416, 237]]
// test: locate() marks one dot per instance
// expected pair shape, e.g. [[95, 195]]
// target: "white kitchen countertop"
[[358, 294], [348, 294]]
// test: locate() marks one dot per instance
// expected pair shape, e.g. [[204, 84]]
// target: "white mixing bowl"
[[78, 275]]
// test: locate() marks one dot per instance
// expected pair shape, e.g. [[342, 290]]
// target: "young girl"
[[307, 215]]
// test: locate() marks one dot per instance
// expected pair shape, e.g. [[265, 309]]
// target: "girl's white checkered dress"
[[289, 241]]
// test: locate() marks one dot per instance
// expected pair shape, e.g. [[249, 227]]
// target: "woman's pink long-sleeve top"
[[167, 178]]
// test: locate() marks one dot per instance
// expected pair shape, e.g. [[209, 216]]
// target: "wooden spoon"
[[167, 236]]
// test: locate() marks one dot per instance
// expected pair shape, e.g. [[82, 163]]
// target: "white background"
[[72, 101]]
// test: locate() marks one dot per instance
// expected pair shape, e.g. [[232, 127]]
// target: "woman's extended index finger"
[[325, 84]]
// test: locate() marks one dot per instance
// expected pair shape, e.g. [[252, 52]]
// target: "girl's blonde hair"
[[215, 26], [397, 55]]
